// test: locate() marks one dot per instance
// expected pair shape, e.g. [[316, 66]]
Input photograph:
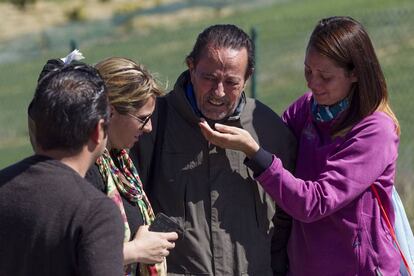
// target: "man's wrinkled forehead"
[[223, 59], [213, 51]]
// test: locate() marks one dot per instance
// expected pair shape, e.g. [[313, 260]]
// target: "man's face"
[[218, 80]]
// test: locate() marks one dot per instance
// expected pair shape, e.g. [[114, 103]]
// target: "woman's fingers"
[[220, 129], [167, 242], [219, 138], [169, 236], [206, 130], [227, 129], [230, 137], [224, 136], [152, 247]]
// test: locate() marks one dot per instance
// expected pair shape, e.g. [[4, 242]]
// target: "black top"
[[259, 162], [52, 222], [132, 212]]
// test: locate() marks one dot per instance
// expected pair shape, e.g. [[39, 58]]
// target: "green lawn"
[[283, 29]]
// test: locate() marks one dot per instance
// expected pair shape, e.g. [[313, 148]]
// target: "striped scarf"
[[124, 181]]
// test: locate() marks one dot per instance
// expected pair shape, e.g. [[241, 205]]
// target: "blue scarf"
[[189, 92], [326, 113]]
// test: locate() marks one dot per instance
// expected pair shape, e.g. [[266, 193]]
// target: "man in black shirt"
[[52, 222]]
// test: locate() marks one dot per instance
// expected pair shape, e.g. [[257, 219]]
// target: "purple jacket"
[[337, 227]]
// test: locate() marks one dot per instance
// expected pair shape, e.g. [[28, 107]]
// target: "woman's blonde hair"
[[129, 84]]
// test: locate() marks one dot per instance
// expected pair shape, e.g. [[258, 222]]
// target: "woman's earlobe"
[[112, 111], [353, 76]]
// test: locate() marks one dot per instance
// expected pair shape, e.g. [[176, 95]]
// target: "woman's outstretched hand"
[[230, 137]]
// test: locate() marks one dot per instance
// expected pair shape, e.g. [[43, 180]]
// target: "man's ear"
[[32, 133], [249, 73], [190, 64], [191, 68], [247, 76], [98, 134]]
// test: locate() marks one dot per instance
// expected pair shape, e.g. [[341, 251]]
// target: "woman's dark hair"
[[68, 103], [223, 36], [345, 41]]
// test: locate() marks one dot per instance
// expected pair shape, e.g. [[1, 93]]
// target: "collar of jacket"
[[183, 106]]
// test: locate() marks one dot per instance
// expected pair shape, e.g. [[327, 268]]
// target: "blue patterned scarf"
[[326, 113]]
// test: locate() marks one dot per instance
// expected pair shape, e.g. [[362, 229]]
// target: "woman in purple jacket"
[[348, 140]]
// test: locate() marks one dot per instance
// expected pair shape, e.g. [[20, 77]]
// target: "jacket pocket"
[[170, 189], [356, 245]]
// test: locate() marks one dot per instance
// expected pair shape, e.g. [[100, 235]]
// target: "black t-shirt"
[[52, 222], [134, 217]]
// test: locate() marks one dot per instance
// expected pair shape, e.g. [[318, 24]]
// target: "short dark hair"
[[224, 36], [68, 103]]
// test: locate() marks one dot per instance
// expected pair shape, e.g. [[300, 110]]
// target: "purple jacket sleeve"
[[362, 158]]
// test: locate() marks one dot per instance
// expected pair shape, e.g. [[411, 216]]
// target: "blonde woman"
[[132, 91]]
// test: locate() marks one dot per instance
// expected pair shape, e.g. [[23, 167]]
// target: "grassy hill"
[[283, 28]]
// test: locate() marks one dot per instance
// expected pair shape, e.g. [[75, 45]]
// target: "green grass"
[[283, 29]]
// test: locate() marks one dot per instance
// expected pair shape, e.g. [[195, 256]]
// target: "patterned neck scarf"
[[326, 113], [123, 180]]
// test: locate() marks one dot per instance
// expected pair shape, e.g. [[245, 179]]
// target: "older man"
[[52, 221], [231, 227]]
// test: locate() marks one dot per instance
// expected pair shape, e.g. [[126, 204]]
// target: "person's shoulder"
[[257, 108], [261, 116], [12, 169], [96, 201], [305, 98], [379, 120], [297, 113], [378, 125], [84, 188], [26, 168], [267, 124], [301, 103], [24, 163], [71, 185], [88, 199]]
